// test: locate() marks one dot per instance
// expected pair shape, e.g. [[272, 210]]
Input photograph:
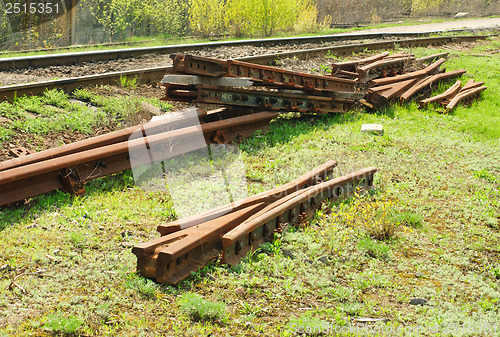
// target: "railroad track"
[[155, 74], [25, 62]]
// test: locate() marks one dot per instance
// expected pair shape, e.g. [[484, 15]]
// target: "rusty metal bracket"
[[72, 182], [20, 151], [255, 98]]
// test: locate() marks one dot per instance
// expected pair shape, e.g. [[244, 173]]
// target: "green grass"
[[200, 309], [63, 325], [437, 182]]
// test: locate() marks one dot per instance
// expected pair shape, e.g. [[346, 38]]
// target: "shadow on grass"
[[39, 205]]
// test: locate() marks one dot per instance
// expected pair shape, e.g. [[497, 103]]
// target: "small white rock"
[[461, 15], [373, 128]]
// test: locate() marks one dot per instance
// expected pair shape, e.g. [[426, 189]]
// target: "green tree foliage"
[[206, 18], [266, 17], [168, 16], [140, 17]]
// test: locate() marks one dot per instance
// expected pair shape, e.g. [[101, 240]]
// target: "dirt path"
[[448, 25]]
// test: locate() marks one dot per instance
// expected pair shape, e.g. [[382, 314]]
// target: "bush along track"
[[419, 250]]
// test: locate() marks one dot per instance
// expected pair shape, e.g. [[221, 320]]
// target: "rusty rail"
[[255, 98], [172, 257], [383, 68], [321, 173], [260, 227], [262, 75], [427, 82], [69, 171]]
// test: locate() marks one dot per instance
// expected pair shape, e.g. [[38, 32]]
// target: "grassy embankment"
[[438, 192]]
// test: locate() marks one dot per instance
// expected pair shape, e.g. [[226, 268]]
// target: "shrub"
[[377, 218], [206, 18], [266, 17], [143, 286]]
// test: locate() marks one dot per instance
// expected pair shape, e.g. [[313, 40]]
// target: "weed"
[[78, 239], [56, 98], [341, 294], [377, 217], [411, 219], [484, 174], [325, 69], [5, 134], [83, 95], [374, 249], [63, 325], [199, 309], [310, 326], [143, 286], [130, 83]]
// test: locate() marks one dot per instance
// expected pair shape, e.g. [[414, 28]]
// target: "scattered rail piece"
[[172, 257], [465, 96], [428, 81], [433, 57], [305, 92], [261, 75], [383, 68], [352, 66], [292, 209], [448, 94], [255, 98], [70, 166], [429, 70], [321, 173]]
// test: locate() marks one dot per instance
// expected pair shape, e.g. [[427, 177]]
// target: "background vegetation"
[[101, 20]]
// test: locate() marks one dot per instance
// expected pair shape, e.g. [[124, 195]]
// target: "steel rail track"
[[70, 166], [174, 256], [25, 62], [155, 74]]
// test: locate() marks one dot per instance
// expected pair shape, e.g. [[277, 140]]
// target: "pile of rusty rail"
[[455, 94], [235, 83], [68, 167], [388, 81], [230, 232]]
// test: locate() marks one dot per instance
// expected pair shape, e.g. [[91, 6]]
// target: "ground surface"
[[66, 265], [445, 25]]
